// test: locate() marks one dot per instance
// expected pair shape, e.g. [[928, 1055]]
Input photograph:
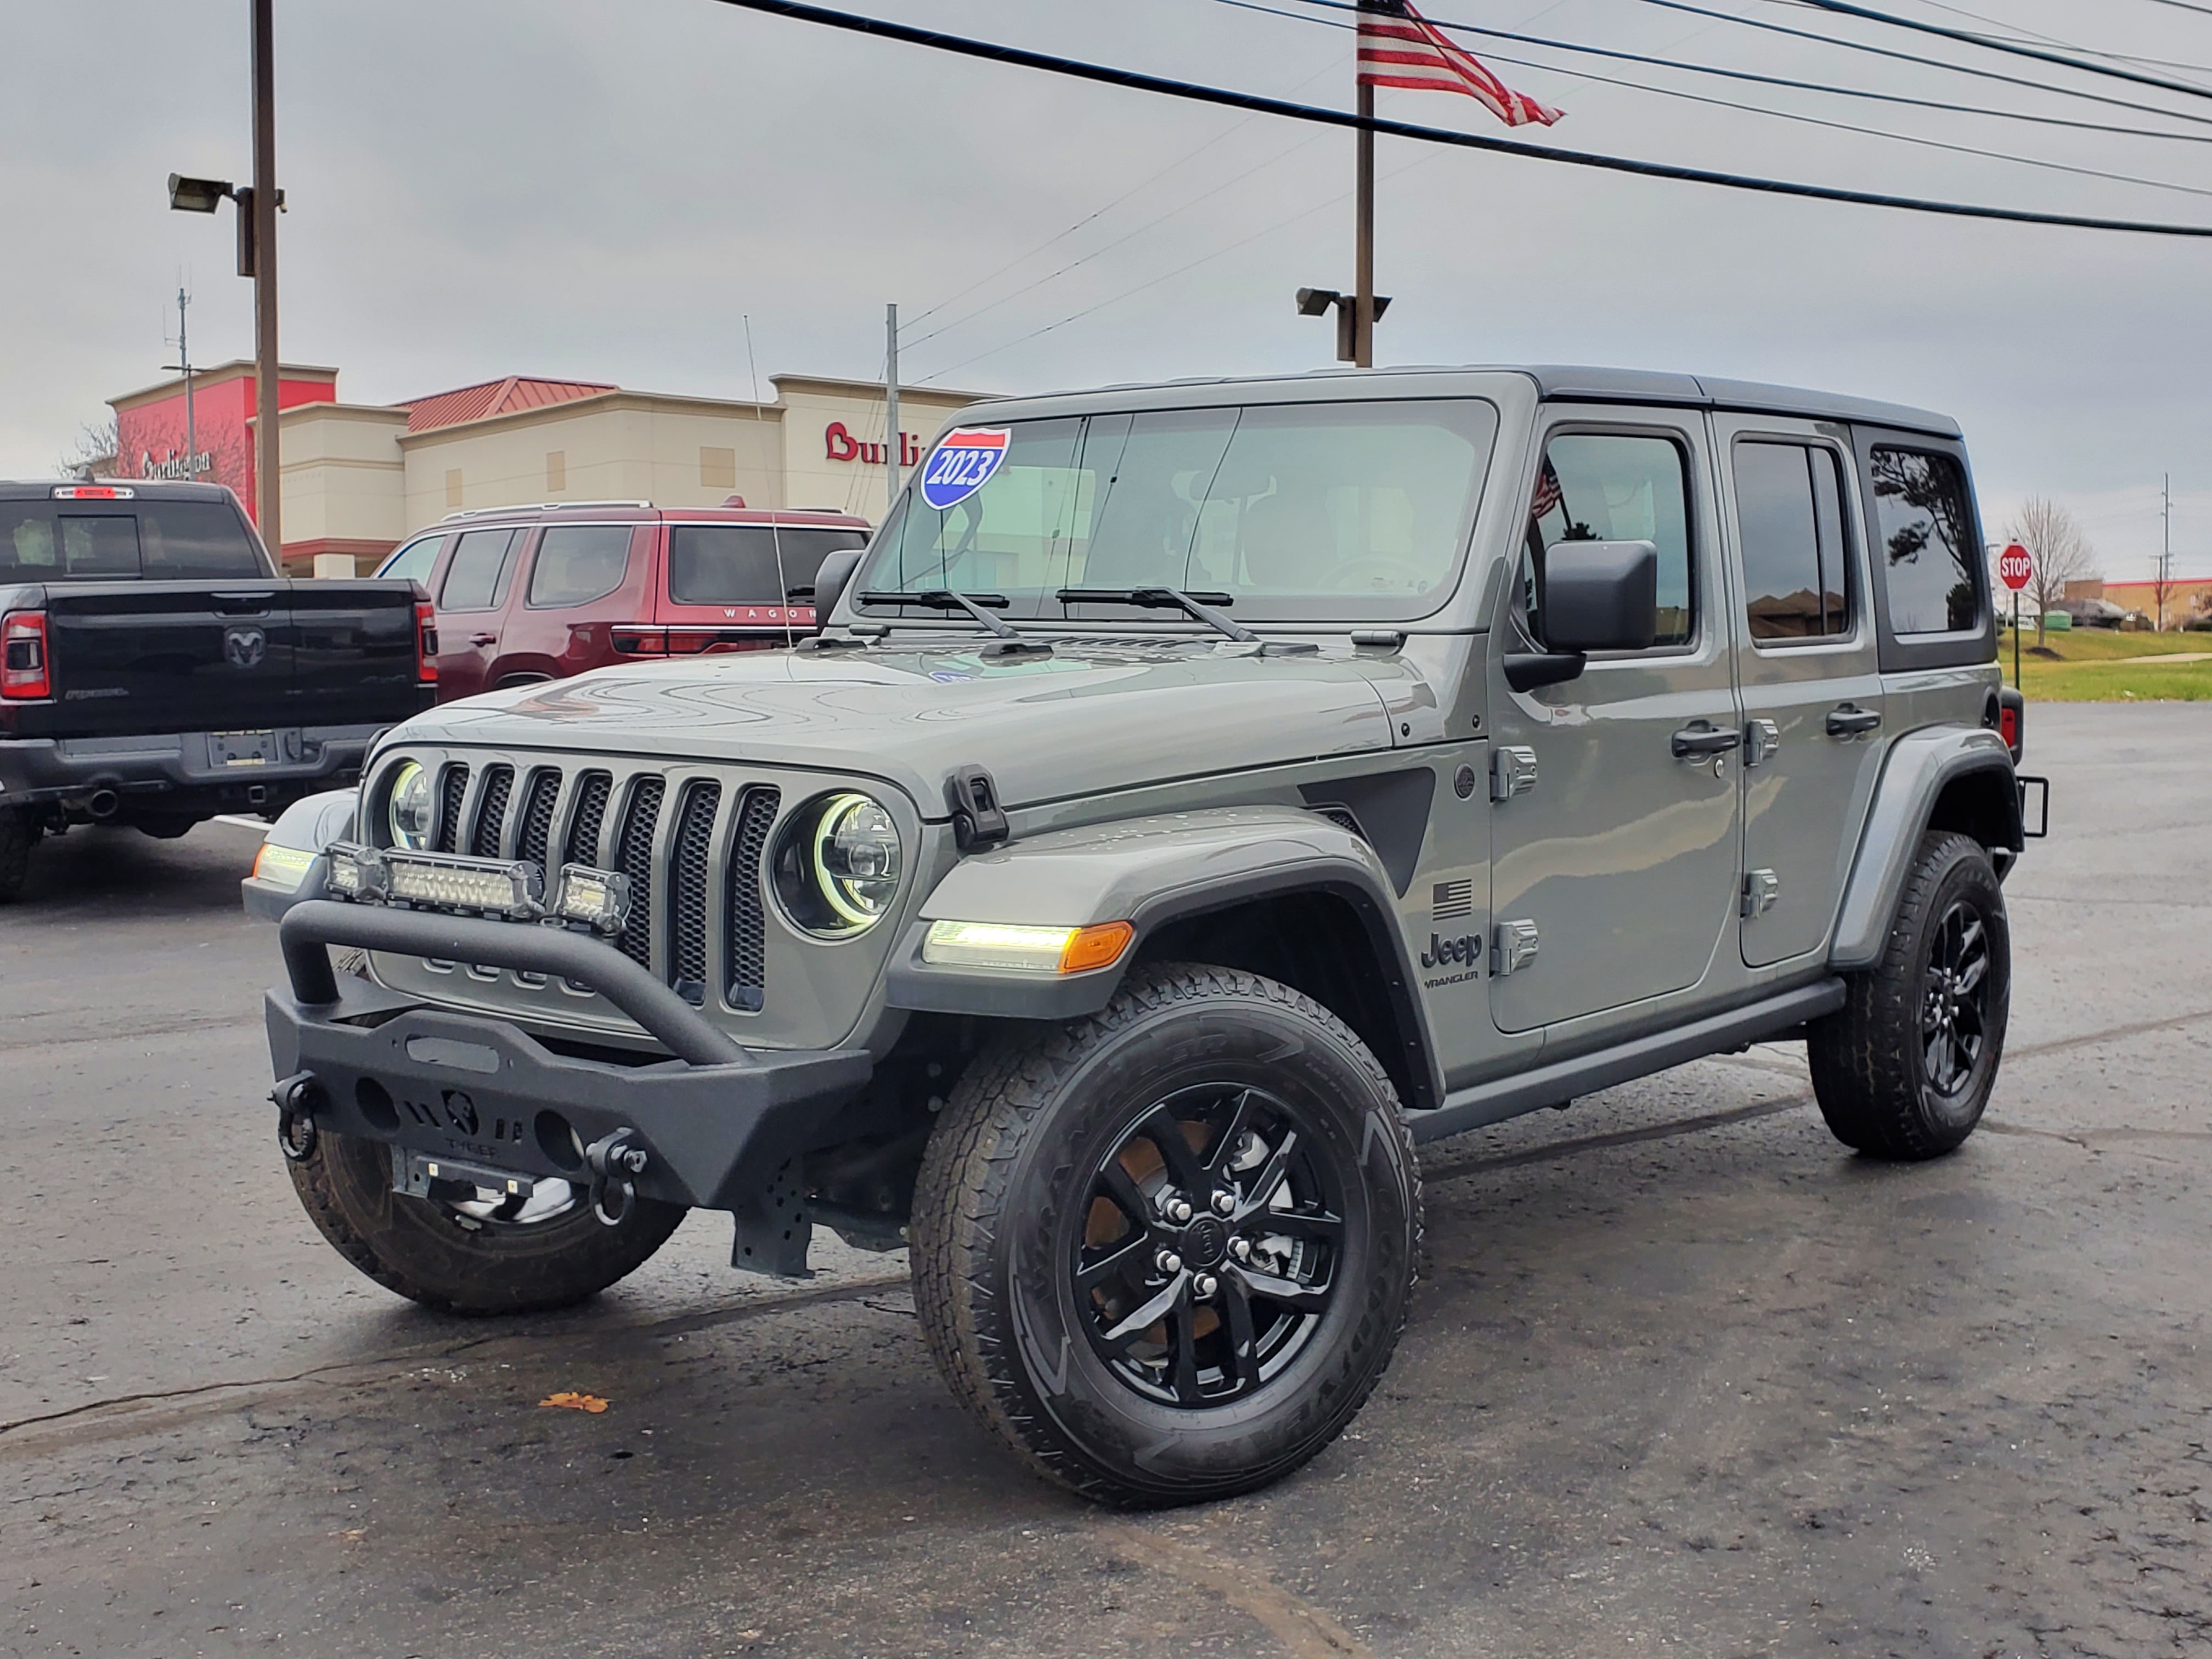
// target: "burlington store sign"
[[839, 444]]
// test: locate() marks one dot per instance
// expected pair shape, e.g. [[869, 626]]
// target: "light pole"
[[257, 204]]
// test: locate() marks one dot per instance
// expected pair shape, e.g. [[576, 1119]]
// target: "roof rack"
[[535, 507]]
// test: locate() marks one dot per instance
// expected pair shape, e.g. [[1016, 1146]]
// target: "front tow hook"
[[296, 1097], [615, 1161]]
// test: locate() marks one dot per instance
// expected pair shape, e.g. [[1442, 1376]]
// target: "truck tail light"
[[23, 663], [426, 642]]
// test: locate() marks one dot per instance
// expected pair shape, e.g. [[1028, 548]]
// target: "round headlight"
[[411, 806], [838, 866]]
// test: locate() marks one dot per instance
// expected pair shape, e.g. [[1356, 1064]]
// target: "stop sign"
[[2016, 567]]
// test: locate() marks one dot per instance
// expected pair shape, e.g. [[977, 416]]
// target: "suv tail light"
[[426, 642], [23, 664]]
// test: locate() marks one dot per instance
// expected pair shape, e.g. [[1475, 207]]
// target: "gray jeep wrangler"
[[1200, 794]]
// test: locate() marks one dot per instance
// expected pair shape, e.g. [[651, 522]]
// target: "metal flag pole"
[[1363, 315]]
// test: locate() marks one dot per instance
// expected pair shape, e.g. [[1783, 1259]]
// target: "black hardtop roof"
[[1555, 382], [142, 489]]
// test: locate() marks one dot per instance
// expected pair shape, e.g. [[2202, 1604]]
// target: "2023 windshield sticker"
[[966, 459]]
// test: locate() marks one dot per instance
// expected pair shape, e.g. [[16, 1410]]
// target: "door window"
[[1614, 487], [1789, 525], [578, 563], [477, 579], [413, 562], [1928, 553]]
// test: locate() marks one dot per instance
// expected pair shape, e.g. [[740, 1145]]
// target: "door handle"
[[487, 639], [1850, 721], [1702, 737]]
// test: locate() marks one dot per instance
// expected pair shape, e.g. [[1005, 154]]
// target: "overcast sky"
[[604, 189]]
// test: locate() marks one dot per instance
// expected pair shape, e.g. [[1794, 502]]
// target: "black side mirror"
[[832, 579], [1596, 596]]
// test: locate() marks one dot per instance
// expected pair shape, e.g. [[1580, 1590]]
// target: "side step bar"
[[1564, 1079]]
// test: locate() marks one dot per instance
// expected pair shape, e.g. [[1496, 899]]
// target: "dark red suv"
[[526, 593]]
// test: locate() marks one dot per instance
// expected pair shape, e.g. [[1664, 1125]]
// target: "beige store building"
[[358, 478]]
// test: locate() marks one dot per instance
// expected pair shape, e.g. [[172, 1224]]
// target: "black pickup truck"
[[157, 671]]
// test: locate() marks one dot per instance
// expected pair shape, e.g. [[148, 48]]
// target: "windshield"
[[159, 541], [1296, 513], [736, 564]]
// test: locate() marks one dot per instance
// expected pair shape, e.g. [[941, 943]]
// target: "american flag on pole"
[[1400, 47], [1548, 492]]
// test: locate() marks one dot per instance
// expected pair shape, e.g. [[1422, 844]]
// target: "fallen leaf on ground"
[[575, 1402]]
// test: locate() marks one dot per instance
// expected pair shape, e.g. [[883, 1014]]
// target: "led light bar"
[[598, 899], [1025, 949], [514, 889]]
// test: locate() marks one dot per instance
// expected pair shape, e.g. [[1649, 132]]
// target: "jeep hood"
[[1077, 722]]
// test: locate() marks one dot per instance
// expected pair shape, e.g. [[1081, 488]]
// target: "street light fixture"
[[1319, 301], [197, 195]]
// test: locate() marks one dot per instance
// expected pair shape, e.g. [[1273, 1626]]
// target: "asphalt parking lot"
[[1684, 1376]]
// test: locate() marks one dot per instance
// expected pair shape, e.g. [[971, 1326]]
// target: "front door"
[[1615, 810], [1812, 689]]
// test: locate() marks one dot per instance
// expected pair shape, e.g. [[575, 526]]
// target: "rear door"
[[1807, 662], [583, 579], [1615, 868], [479, 571]]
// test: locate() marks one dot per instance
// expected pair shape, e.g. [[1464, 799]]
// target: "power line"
[[1871, 50], [1787, 115], [1753, 78], [2021, 31], [1106, 75], [1992, 43]]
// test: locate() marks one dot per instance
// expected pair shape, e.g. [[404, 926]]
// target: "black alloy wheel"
[[1165, 1251], [1904, 1068], [1210, 1246], [1955, 1011]]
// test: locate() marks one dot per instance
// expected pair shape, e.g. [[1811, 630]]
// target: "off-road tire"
[[423, 1251], [19, 834], [1869, 1065], [1002, 1181]]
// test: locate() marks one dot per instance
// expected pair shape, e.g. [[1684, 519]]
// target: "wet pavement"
[[1684, 1374]]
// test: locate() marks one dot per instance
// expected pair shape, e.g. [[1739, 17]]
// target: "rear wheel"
[[1166, 1252], [471, 1254], [19, 834], [1904, 1069]]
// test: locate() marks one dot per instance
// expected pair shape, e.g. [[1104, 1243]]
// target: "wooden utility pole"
[[891, 445], [267, 484]]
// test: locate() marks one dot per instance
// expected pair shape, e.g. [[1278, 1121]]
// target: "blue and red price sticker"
[[966, 459]]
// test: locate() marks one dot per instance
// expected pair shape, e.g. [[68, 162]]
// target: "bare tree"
[[2062, 553], [93, 453], [2162, 586]]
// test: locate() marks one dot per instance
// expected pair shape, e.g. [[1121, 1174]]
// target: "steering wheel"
[[1346, 574]]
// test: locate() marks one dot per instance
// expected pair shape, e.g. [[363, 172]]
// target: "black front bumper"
[[717, 1123]]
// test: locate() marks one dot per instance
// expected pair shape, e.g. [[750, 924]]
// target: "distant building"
[[358, 478], [2186, 597]]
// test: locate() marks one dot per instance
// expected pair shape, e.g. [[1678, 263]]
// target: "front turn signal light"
[[282, 866], [1025, 949]]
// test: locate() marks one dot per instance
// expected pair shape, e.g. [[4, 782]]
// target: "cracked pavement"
[[1684, 1374]]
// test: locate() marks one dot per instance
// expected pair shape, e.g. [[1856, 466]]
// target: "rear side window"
[[748, 563], [157, 541], [1926, 538], [578, 563], [1789, 527], [1612, 487], [477, 579]]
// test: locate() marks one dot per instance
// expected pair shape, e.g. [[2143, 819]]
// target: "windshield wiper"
[[1198, 606], [1009, 639], [942, 599]]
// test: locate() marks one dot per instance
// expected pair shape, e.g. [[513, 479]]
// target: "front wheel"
[[1904, 1069], [1166, 1252], [471, 1251]]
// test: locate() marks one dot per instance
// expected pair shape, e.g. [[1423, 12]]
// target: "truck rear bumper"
[[184, 767], [715, 1128]]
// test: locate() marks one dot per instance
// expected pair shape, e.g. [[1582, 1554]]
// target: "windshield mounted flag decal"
[[966, 459], [1399, 47]]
